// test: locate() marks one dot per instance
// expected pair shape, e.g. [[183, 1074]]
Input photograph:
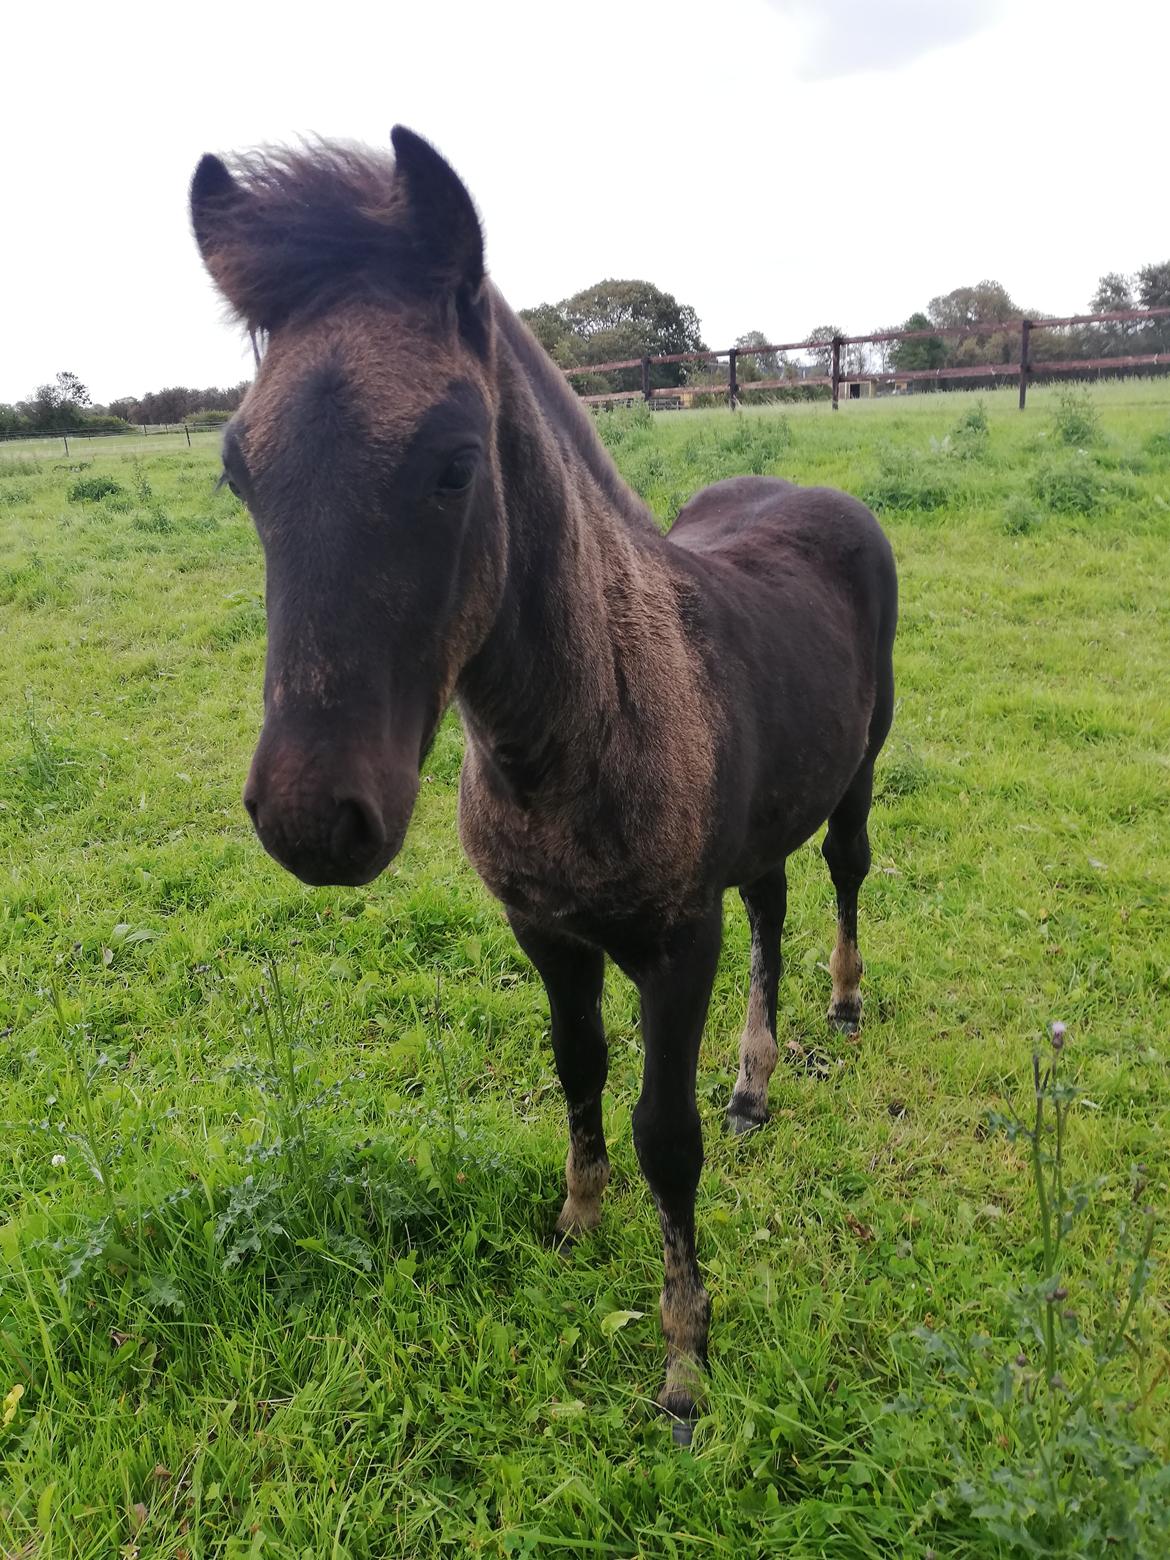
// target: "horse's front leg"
[[573, 973], [675, 987]]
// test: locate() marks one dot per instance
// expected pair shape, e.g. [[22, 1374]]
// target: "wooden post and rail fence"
[[1023, 367], [734, 387]]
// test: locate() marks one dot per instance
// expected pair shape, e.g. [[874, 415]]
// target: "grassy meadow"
[[280, 1164]]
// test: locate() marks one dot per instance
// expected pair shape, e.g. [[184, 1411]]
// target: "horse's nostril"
[[358, 832], [253, 809]]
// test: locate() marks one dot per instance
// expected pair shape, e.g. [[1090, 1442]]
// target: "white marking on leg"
[[757, 1046], [846, 968], [585, 1179]]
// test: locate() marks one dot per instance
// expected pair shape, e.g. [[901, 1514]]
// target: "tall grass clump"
[[1043, 1456], [151, 516], [1076, 421], [907, 482], [91, 490], [44, 772], [970, 438], [1069, 486], [623, 425], [1020, 516]]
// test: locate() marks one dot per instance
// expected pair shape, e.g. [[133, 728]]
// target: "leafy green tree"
[[71, 391], [1114, 293], [547, 324], [56, 406], [853, 357], [924, 352], [761, 365], [615, 320], [970, 307], [1153, 289], [1153, 285], [822, 357], [1110, 338]]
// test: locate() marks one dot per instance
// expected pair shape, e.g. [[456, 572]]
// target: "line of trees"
[[64, 404], [616, 320], [971, 310]]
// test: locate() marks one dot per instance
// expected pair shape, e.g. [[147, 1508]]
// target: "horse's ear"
[[216, 199], [442, 213]]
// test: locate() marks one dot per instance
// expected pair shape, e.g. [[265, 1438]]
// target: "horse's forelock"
[[299, 229]]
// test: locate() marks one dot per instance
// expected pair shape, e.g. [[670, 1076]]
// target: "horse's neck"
[[585, 581]]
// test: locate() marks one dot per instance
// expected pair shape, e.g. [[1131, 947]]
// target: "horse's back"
[[798, 596], [768, 526]]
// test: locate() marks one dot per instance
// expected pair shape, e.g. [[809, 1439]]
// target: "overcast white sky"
[[775, 163]]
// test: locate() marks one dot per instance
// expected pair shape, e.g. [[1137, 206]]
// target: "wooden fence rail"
[[1023, 368]]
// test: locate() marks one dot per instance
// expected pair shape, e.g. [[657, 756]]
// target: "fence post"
[[732, 381], [66, 443], [836, 369], [1025, 367], [646, 396], [187, 431], [144, 429]]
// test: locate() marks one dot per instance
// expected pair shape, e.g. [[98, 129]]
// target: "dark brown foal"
[[649, 720]]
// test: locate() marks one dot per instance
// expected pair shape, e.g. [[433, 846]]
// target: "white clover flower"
[[58, 1161]]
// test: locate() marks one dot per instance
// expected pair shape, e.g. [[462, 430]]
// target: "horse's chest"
[[574, 863]]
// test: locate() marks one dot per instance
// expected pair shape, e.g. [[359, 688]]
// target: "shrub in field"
[[970, 438], [1043, 1457], [901, 773], [1069, 487], [1020, 516], [752, 444], [1077, 421], [91, 490], [154, 520], [1158, 444], [618, 425], [906, 481]]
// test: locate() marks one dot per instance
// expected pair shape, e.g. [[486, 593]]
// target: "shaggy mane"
[[309, 226]]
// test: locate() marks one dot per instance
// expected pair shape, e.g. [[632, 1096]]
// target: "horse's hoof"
[[680, 1395], [680, 1408], [846, 1016], [744, 1116], [574, 1220]]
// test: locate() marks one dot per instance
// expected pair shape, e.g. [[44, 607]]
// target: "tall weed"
[[1076, 421], [1042, 1453]]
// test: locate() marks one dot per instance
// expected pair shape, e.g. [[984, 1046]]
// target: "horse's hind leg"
[[846, 849], [573, 974], [766, 901]]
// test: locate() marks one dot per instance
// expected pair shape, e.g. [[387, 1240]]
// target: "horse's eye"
[[459, 473]]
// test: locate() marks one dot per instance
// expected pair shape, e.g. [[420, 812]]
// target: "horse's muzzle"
[[327, 822]]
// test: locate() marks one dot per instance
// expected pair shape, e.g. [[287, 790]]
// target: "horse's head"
[[365, 453]]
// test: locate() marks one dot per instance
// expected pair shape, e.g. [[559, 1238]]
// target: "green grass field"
[[274, 1267]]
